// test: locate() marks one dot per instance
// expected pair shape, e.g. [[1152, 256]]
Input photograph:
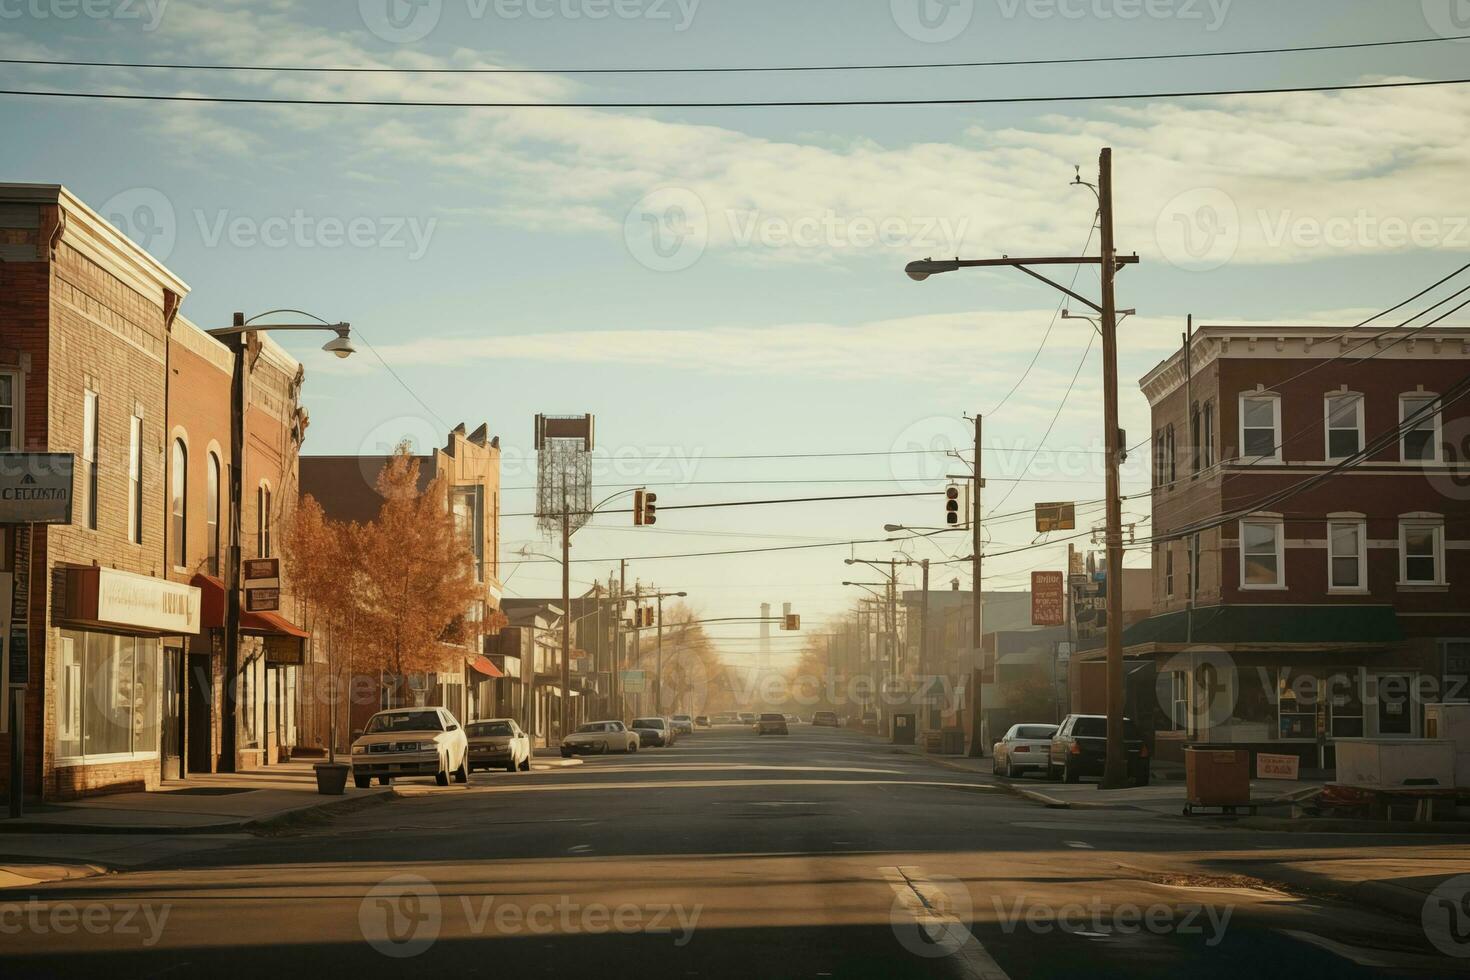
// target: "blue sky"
[[504, 262]]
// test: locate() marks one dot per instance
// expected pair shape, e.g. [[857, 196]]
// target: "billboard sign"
[[1048, 599]]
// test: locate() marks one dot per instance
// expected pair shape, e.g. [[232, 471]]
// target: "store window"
[[1345, 702], [135, 480], [1344, 425], [90, 425], [469, 521], [211, 514], [108, 696], [1296, 698]]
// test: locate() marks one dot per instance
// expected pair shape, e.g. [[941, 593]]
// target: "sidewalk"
[[1400, 884], [207, 803], [1165, 794]]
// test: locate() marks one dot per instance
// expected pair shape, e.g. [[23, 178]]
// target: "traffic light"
[[647, 615], [645, 508], [952, 505], [792, 622]]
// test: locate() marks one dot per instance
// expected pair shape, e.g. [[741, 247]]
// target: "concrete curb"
[[251, 825], [30, 875]]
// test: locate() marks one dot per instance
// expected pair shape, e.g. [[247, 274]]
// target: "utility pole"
[[924, 677], [1108, 262], [658, 678], [566, 605], [977, 601], [616, 682], [1115, 769]]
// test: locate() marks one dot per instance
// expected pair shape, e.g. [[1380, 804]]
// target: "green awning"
[[1269, 624]]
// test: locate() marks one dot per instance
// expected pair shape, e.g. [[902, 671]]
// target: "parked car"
[[824, 719], [793, 719], [600, 737], [726, 718], [701, 721], [682, 724], [747, 717], [498, 743], [410, 742], [1080, 748], [772, 723], [1022, 747], [652, 731]]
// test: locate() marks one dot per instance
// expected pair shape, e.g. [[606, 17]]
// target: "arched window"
[[178, 494], [211, 515]]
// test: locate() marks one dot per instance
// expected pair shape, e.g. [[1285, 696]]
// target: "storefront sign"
[[262, 600], [262, 572], [284, 650], [1277, 766], [1048, 603], [115, 598], [35, 488], [632, 682]]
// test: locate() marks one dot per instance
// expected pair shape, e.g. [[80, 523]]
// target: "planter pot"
[[331, 777]]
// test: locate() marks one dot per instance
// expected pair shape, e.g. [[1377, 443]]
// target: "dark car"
[[771, 723], [825, 719], [652, 731], [1080, 748], [701, 721]]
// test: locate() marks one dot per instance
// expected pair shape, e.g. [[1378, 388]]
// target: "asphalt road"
[[822, 854]]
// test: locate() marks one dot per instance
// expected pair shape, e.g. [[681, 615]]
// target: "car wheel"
[[1011, 771], [526, 764], [1069, 775], [462, 774], [603, 749], [362, 781], [566, 753], [510, 766], [441, 778], [632, 747], [385, 780]]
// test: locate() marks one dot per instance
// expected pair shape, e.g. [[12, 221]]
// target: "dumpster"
[[904, 731], [1217, 779]]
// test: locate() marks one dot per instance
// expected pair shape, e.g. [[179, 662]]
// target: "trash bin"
[[1217, 777], [903, 729]]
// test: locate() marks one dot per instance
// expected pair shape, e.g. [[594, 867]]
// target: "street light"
[[234, 337]]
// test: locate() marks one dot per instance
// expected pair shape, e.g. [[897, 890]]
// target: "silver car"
[[599, 737], [1023, 747], [411, 742]]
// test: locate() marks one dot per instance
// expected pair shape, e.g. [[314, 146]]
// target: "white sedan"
[[411, 742], [601, 737], [1023, 747]]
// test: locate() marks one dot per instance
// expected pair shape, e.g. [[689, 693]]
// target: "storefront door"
[[172, 707], [200, 714], [1395, 704]]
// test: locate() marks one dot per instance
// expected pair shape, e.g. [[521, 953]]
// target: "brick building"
[[467, 682], [1337, 611]]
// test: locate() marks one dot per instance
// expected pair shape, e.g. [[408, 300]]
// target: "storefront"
[[107, 729]]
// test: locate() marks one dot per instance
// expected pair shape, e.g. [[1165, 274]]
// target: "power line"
[[730, 70], [389, 368], [731, 104]]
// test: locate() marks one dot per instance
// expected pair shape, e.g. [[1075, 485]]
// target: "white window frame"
[[91, 435], [1277, 523], [1327, 427], [214, 479], [1275, 399], [135, 480], [1436, 524], [1436, 440], [1361, 525], [178, 486], [17, 408]]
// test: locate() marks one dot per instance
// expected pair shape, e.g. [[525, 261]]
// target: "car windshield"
[[588, 729], [404, 721], [489, 728], [681, 717], [772, 717], [648, 723], [1036, 731], [1098, 728]]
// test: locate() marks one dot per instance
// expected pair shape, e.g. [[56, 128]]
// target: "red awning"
[[485, 666], [212, 613]]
